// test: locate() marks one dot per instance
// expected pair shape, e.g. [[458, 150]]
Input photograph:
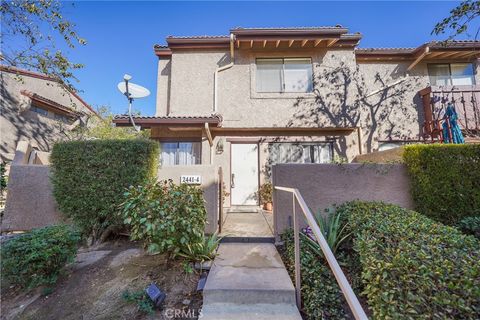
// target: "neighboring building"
[[262, 96], [35, 108]]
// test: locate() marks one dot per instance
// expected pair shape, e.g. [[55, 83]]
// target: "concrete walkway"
[[249, 281], [248, 224]]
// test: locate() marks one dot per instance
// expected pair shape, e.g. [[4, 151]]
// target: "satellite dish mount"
[[132, 91]]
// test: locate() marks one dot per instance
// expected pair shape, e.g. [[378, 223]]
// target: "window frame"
[[282, 76], [177, 162], [330, 145], [450, 77]]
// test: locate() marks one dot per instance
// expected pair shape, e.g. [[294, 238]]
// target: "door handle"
[[232, 183]]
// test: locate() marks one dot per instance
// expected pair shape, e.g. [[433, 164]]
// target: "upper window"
[[284, 75], [447, 74], [39, 110], [180, 153]]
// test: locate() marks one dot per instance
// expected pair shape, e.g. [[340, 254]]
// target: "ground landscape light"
[[155, 294]]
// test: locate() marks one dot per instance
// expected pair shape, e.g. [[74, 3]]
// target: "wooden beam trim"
[[420, 58], [209, 134], [317, 42], [332, 42]]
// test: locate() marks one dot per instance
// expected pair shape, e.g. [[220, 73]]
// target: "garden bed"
[[401, 265], [93, 286]]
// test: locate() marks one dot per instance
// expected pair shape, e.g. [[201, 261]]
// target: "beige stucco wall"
[[341, 96], [209, 175], [325, 185], [30, 202], [344, 97], [18, 123]]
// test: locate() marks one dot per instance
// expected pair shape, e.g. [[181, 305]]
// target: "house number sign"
[[191, 179]]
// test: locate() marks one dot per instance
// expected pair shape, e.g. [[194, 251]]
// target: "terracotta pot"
[[268, 206]]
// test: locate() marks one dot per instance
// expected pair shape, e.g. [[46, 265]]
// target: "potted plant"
[[266, 196]]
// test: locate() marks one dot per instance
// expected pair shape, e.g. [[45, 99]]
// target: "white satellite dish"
[[134, 90]]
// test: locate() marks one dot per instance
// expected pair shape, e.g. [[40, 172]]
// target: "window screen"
[[446, 74], [180, 153], [269, 75], [298, 75], [301, 152], [462, 74], [284, 75]]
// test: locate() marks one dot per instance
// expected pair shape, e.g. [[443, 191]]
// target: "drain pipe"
[[220, 69]]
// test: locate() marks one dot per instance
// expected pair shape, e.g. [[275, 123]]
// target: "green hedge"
[[445, 180], [90, 177], [321, 295], [413, 267], [37, 258]]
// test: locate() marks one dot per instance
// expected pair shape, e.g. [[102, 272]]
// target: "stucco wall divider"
[[209, 185], [30, 202], [325, 185]]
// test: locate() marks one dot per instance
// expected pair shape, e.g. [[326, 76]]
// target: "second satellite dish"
[[134, 90]]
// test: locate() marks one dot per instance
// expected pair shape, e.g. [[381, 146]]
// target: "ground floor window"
[[180, 153], [301, 152]]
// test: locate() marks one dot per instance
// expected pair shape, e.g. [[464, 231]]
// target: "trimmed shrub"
[[168, 217], [37, 258], [445, 180], [413, 267], [90, 177], [470, 225], [321, 296]]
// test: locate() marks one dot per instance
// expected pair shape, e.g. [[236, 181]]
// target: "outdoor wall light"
[[219, 147], [155, 294]]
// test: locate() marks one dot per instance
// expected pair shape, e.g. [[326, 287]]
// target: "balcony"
[[464, 98]]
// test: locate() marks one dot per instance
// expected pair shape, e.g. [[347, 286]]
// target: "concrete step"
[[248, 273], [242, 209], [223, 311], [230, 239]]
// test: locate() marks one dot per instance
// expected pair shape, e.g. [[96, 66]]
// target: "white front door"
[[244, 178]]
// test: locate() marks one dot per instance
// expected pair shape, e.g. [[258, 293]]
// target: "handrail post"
[[296, 236], [352, 300]]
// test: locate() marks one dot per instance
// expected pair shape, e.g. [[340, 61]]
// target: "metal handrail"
[[342, 281]]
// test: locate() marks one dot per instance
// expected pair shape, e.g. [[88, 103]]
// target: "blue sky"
[[121, 34]]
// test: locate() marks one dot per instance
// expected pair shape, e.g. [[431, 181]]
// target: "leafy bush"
[[168, 217], [470, 225], [90, 177], [141, 299], [321, 296], [445, 180], [413, 267], [37, 258], [266, 192]]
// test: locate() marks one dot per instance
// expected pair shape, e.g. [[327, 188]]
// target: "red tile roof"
[[151, 121], [42, 76]]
